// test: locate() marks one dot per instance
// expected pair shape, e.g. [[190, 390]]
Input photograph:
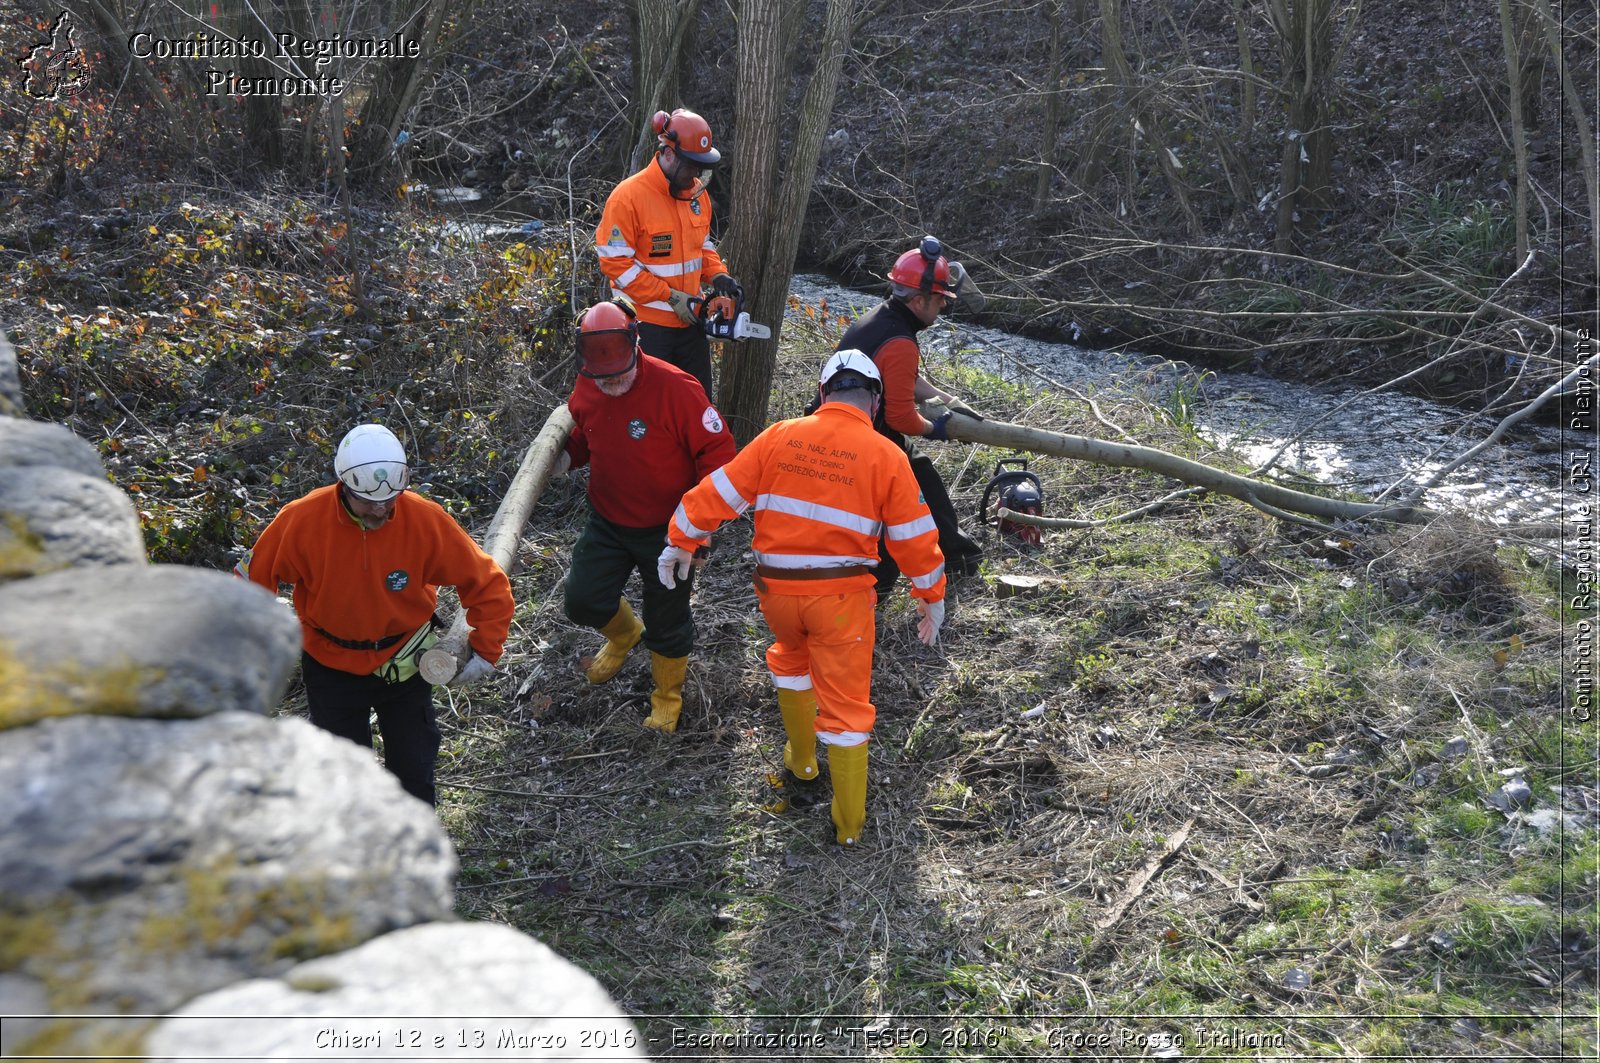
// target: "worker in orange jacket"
[[654, 245], [824, 488], [365, 559]]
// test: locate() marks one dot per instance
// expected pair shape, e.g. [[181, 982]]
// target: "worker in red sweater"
[[364, 559], [647, 432]]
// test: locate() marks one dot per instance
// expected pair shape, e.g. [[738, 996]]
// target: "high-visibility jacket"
[[362, 585], [648, 446], [649, 242], [824, 489], [888, 335]]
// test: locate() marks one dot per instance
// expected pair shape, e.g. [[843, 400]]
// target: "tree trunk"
[[439, 664], [1271, 498], [769, 205], [394, 91], [1052, 110], [660, 28], [1581, 125], [1247, 67], [1305, 42], [1519, 137]]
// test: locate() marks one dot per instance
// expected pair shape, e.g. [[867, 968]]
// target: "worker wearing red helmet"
[[654, 245], [922, 283], [823, 488], [648, 433]]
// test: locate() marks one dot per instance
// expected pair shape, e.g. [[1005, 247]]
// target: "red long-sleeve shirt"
[[647, 447]]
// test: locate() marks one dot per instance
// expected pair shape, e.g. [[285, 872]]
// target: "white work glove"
[[475, 669], [673, 565], [680, 306], [931, 619], [563, 466]]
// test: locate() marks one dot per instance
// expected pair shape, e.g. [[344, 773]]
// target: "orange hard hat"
[[924, 268], [608, 340], [688, 134]]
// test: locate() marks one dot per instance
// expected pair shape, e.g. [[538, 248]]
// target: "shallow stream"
[[1363, 442]]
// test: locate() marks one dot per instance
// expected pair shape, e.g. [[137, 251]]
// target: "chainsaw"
[[723, 318], [1017, 490]]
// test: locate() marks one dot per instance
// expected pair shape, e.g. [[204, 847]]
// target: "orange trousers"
[[825, 642]]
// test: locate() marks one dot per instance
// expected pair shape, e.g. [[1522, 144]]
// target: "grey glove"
[[955, 405], [475, 669], [673, 565], [680, 306]]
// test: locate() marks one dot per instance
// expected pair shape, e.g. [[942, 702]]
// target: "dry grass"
[[1203, 668]]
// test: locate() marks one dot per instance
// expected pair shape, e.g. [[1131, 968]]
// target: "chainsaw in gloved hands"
[[722, 315]]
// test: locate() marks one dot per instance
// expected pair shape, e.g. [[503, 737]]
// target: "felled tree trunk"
[[1271, 498], [440, 664]]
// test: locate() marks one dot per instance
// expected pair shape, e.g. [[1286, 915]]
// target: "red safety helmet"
[[924, 268], [608, 340], [688, 134]]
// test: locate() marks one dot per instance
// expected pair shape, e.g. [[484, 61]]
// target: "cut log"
[[1271, 498], [440, 664]]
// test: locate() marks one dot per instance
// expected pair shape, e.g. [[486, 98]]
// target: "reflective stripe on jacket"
[[649, 242], [823, 488]]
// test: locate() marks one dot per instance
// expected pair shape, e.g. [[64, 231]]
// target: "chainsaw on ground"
[[1017, 490], [723, 318]]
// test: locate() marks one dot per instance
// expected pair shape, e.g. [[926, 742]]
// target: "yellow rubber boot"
[[799, 711], [622, 633], [847, 766], [667, 699]]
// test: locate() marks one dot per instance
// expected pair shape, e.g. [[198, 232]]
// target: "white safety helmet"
[[853, 361], [371, 462]]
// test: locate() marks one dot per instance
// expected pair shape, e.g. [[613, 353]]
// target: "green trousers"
[[605, 556]]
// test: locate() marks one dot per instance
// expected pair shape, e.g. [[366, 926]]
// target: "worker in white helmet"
[[364, 558]]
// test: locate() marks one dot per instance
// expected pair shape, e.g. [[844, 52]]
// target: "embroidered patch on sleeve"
[[616, 238]]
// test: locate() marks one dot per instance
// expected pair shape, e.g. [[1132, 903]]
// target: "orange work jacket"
[[365, 586], [824, 488], [650, 242]]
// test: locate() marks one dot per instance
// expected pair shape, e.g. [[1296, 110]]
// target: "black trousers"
[[687, 348], [341, 703], [961, 553]]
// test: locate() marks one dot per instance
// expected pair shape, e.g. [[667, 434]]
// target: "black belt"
[[357, 644], [811, 573]]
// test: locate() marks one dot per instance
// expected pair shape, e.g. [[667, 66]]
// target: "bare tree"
[[397, 84], [1519, 135], [1309, 49], [660, 28], [771, 185], [1581, 124]]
